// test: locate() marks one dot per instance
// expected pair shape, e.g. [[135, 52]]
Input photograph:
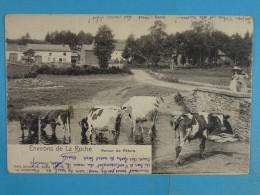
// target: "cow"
[[143, 109], [54, 118], [196, 125], [30, 122], [101, 119]]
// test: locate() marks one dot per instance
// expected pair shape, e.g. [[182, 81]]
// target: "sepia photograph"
[[180, 84]]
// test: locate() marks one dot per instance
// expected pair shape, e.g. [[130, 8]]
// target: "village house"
[[87, 56], [51, 53], [14, 52], [116, 56]]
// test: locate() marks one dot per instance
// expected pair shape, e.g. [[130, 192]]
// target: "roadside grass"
[[214, 76], [15, 71]]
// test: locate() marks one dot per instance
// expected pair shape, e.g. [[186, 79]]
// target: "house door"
[[13, 57]]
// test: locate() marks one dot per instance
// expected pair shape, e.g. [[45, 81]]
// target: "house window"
[[49, 54], [64, 59], [60, 60], [64, 54]]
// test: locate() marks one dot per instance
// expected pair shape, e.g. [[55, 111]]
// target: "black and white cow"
[[54, 118], [143, 109], [196, 125], [30, 122], [101, 119]]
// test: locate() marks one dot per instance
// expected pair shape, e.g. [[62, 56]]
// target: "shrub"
[[85, 70]]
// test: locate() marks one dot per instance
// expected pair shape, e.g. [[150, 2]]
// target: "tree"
[[85, 38], [104, 45], [157, 35], [130, 48], [29, 53], [25, 39]]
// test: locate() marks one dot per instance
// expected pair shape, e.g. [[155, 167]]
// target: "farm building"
[[87, 56], [116, 57], [51, 53], [14, 52]]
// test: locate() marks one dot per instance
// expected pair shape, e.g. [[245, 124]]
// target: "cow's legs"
[[69, 133], [89, 134], [202, 147], [29, 134], [153, 123], [178, 148], [64, 132], [142, 128], [93, 136], [22, 135], [36, 134], [133, 126], [53, 128]]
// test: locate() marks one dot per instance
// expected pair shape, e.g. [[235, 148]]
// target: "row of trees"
[[69, 38], [199, 45]]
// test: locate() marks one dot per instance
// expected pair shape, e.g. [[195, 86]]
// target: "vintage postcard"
[[128, 94]]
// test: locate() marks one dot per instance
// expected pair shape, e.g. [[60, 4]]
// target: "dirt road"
[[220, 157]]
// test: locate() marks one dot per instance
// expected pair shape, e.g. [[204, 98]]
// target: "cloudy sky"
[[122, 25]]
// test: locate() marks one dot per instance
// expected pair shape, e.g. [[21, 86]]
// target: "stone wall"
[[237, 105]]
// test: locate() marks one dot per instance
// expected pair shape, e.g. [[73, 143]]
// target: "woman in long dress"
[[239, 80]]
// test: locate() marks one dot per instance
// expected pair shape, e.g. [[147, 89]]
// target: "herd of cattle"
[[140, 109]]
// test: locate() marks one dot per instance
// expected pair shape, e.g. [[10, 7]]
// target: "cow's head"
[[84, 124], [220, 121], [43, 123], [125, 108]]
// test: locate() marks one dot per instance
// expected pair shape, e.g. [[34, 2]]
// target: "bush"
[[85, 70], [23, 76]]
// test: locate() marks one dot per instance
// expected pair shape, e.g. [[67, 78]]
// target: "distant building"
[[116, 57], [14, 52], [223, 58], [75, 57], [87, 56], [51, 53]]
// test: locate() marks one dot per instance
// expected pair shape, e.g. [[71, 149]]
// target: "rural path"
[[143, 77]]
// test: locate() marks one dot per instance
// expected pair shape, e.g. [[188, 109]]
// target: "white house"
[[51, 53], [14, 52], [116, 56]]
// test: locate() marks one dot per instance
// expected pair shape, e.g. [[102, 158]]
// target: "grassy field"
[[215, 76], [16, 70]]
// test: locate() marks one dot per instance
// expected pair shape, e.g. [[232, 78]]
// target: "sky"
[[37, 25]]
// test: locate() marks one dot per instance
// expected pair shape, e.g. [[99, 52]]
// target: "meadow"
[[215, 76]]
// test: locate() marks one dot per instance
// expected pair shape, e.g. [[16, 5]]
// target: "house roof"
[[48, 47], [221, 53], [15, 47]]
